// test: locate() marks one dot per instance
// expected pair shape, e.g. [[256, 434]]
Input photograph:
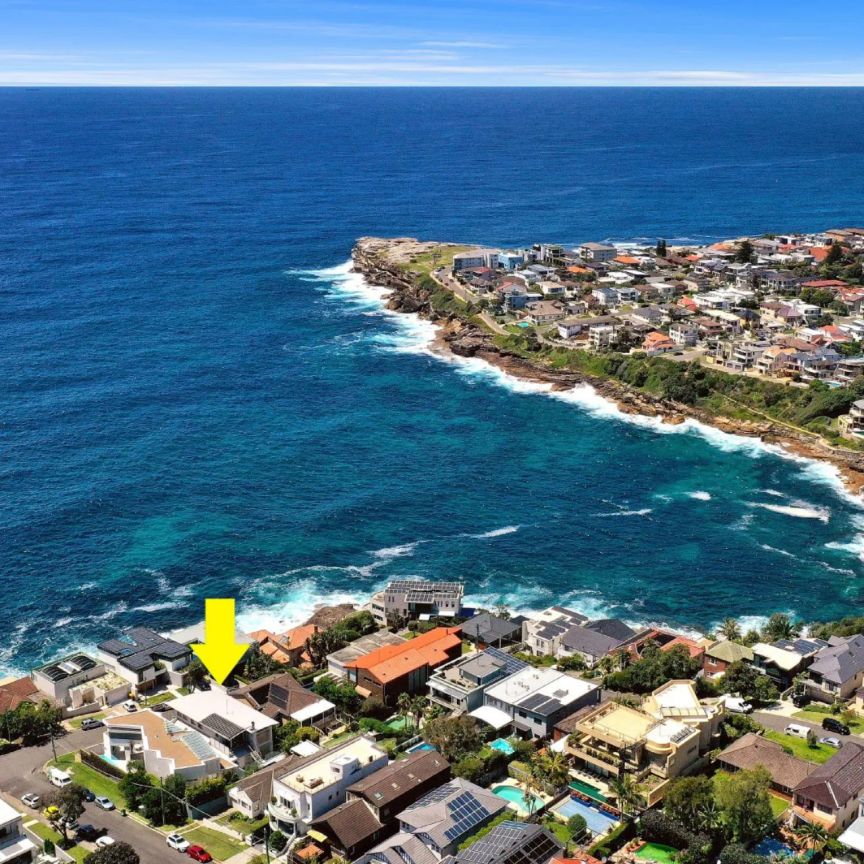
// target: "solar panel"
[[467, 812], [436, 796]]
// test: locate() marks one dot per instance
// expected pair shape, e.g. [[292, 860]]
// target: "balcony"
[[286, 816]]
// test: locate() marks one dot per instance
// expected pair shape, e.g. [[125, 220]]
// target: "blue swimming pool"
[[421, 746], [597, 820], [769, 846], [503, 745]]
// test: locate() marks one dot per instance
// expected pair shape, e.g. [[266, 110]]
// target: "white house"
[[15, 846]]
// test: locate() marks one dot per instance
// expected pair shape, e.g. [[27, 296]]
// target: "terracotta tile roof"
[[819, 253], [824, 283], [751, 750], [350, 825], [579, 856], [393, 661], [16, 692]]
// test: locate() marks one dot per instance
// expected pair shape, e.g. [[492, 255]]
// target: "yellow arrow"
[[219, 652]]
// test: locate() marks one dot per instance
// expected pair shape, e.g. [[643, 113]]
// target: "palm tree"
[[811, 834], [416, 707], [552, 769], [533, 784], [604, 665], [623, 658], [730, 629], [626, 793], [403, 703]]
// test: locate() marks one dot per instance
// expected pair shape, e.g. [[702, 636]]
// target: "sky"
[[432, 42]]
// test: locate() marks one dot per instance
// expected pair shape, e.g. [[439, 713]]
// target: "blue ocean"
[[199, 399]]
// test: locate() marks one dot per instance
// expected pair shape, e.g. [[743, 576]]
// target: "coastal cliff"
[[387, 263]]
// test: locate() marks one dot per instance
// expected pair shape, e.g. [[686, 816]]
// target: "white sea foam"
[[644, 511], [699, 495], [773, 492], [853, 547], [799, 510], [402, 551], [774, 549], [495, 532]]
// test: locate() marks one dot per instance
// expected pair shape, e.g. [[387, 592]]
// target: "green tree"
[[194, 675], [552, 769], [454, 737], [577, 826], [67, 806], [780, 626], [660, 250], [166, 804], [688, 799], [256, 665], [811, 835], [135, 785], [340, 693], [744, 803], [744, 252], [116, 853], [835, 255], [626, 793], [278, 841], [730, 629]]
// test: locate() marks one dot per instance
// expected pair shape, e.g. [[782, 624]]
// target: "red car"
[[199, 853]]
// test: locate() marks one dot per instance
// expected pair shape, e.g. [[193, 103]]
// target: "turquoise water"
[[503, 745], [199, 400], [516, 796], [597, 821]]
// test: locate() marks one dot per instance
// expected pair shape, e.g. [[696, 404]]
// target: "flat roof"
[[170, 744], [620, 721], [203, 705], [541, 691], [316, 771]]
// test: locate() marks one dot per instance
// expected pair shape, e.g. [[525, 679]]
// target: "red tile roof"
[[16, 692], [393, 661]]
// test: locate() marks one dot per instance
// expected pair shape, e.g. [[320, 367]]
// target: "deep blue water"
[[189, 411]]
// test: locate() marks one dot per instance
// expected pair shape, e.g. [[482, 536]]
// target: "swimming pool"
[[423, 745], [769, 846], [588, 789], [656, 852], [598, 821], [503, 745], [514, 795]]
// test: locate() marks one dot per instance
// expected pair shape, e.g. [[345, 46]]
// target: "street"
[[21, 772]]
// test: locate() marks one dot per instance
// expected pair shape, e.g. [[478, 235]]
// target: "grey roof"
[[452, 811], [612, 627], [141, 647], [401, 848], [586, 641], [841, 661], [486, 627], [221, 727], [804, 647], [400, 777], [512, 843], [365, 645], [837, 781], [258, 787]]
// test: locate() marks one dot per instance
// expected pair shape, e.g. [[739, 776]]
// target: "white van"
[[59, 778], [797, 730]]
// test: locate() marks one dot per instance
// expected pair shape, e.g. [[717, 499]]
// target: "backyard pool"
[[656, 852], [503, 745], [770, 846], [423, 745], [597, 820], [516, 796]]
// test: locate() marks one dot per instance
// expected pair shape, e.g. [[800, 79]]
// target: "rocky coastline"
[[381, 262]]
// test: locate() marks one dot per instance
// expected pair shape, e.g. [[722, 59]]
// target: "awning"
[[853, 836], [316, 835], [495, 717], [316, 709]]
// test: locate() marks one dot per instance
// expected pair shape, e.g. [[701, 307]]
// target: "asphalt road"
[[21, 772]]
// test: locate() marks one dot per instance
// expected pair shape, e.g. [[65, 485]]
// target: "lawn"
[[800, 748], [778, 805], [219, 845], [96, 782], [158, 699], [236, 820], [46, 832], [559, 829], [424, 263], [75, 722], [815, 714]]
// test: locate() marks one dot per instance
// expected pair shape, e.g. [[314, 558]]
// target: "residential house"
[[853, 422], [545, 312], [651, 315], [78, 682], [829, 795], [720, 655], [282, 697], [551, 289], [677, 699], [852, 299], [605, 295], [231, 727], [513, 843], [837, 671], [310, 787], [487, 629], [146, 659], [543, 631], [534, 699], [14, 692], [412, 598], [15, 846], [597, 252], [778, 280], [603, 336], [848, 369], [853, 836], [784, 659], [475, 258], [683, 333], [338, 660], [387, 672], [752, 750], [251, 795], [371, 810], [164, 746], [510, 260], [595, 639], [459, 686], [288, 648], [657, 343], [441, 820]]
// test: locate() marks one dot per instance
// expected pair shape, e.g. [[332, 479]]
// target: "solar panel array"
[[467, 812], [512, 843], [511, 664]]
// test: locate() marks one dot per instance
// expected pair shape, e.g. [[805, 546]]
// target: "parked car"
[[104, 803], [178, 842], [31, 799], [130, 706], [831, 741], [59, 778], [797, 730], [69, 824], [800, 700], [159, 707], [834, 725], [91, 723], [89, 832], [104, 841], [737, 705], [89, 795], [199, 853]]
